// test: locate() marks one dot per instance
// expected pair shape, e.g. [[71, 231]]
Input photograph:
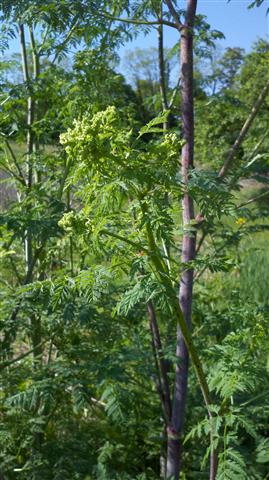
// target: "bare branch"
[[14, 158], [11, 173], [174, 14], [227, 164], [134, 21], [256, 148], [253, 199], [8, 363], [255, 109]]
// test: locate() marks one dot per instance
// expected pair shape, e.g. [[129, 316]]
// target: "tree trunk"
[[166, 125], [162, 74], [29, 143], [188, 244]]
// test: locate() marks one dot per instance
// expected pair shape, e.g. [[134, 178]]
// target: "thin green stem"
[[163, 275]]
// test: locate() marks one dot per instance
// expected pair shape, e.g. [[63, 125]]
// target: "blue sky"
[[240, 25]]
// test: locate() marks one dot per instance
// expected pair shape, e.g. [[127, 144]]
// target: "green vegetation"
[[109, 369]]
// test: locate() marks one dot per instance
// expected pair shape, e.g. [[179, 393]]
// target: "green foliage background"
[[103, 211]]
